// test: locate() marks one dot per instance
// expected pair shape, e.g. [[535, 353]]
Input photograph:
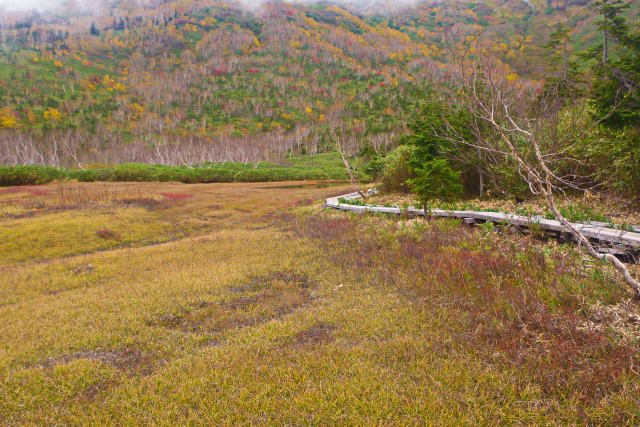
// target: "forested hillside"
[[191, 81]]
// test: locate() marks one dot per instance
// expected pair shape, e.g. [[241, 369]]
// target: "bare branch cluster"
[[76, 148], [536, 130]]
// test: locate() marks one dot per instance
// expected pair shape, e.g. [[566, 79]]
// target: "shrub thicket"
[[137, 172], [28, 175]]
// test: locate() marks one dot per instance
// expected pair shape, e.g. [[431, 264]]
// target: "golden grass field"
[[173, 304]]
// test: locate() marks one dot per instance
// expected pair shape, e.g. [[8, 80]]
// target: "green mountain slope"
[[277, 78]]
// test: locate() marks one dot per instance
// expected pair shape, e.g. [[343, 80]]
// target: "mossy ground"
[[126, 304]]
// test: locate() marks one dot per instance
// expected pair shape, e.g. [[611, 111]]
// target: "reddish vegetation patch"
[[105, 233], [327, 228], [143, 202], [318, 334], [95, 390], [39, 192], [176, 196], [304, 202], [261, 300], [12, 190], [11, 201], [26, 189], [511, 301]]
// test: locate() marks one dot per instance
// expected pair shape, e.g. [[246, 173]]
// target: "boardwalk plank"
[[597, 231]]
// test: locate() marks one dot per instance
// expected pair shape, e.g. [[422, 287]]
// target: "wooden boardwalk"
[[608, 240]]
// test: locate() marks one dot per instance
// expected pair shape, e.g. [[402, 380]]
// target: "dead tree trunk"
[[355, 182], [536, 134], [588, 247]]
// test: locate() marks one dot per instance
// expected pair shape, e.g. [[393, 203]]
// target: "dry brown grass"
[[68, 219], [261, 300], [246, 304], [513, 301]]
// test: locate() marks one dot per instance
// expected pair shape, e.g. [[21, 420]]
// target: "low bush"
[[289, 174], [87, 175], [29, 175], [263, 175], [138, 172], [205, 175]]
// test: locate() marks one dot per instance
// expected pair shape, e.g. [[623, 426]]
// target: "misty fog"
[[46, 5]]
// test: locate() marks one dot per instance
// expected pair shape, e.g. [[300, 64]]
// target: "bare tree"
[[535, 130], [347, 146]]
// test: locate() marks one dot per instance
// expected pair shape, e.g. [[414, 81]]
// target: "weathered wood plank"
[[595, 231]]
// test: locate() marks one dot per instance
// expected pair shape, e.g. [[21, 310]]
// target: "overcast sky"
[[30, 4], [10, 5]]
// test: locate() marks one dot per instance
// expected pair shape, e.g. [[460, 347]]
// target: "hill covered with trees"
[[180, 82]]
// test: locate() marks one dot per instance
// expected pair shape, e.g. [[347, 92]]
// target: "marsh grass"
[[79, 195], [269, 310], [515, 303], [259, 301]]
